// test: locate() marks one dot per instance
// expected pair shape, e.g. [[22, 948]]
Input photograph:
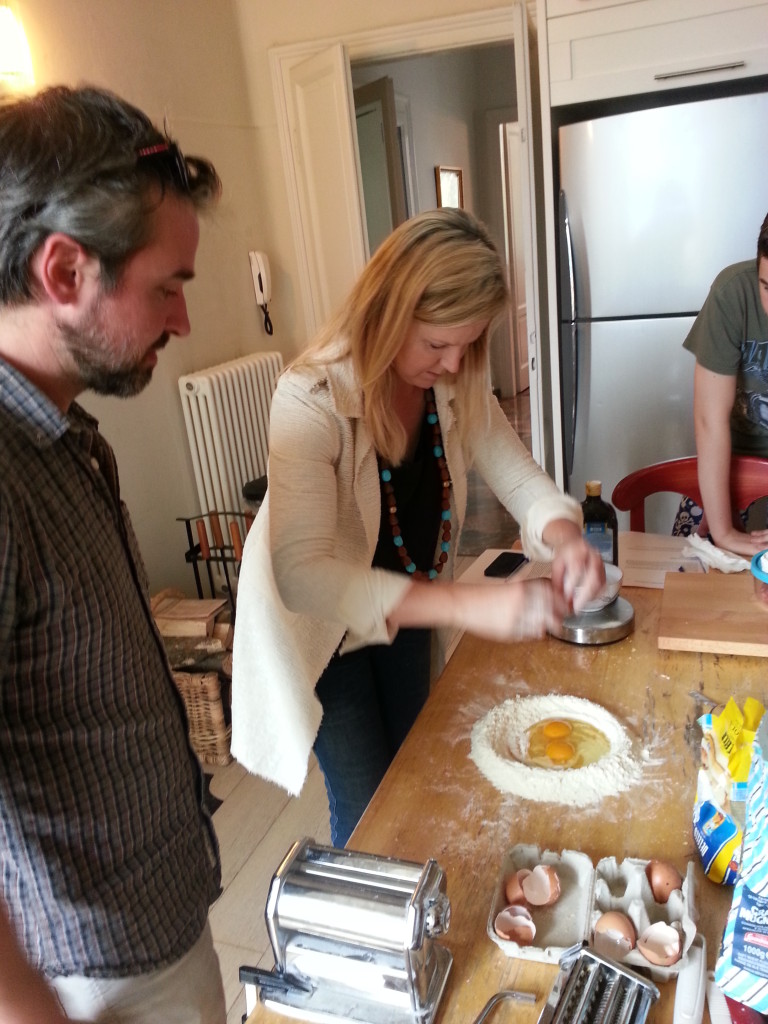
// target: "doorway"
[[462, 105], [381, 156]]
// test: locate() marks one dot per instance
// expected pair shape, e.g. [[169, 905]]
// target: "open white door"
[[527, 211], [323, 145], [513, 210]]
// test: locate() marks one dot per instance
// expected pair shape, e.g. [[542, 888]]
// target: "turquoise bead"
[[386, 477]]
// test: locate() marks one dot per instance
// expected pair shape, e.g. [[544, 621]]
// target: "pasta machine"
[[352, 937]]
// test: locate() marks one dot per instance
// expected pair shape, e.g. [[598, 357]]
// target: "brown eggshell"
[[513, 888], [661, 944], [663, 879], [614, 934], [516, 925], [542, 886]]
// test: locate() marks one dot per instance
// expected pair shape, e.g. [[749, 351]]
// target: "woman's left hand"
[[577, 564]]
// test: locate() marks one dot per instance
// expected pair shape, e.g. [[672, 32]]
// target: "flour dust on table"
[[555, 749]]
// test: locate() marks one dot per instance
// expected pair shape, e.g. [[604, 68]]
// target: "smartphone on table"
[[505, 564]]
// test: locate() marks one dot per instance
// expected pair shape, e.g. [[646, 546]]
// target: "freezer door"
[[660, 200], [635, 402]]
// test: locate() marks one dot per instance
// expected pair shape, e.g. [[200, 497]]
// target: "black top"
[[418, 492]]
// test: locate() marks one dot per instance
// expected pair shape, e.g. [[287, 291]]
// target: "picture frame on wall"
[[449, 186]]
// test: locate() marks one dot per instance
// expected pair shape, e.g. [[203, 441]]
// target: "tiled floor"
[[257, 822]]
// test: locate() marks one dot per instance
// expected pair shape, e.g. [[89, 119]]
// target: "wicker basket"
[[210, 727]]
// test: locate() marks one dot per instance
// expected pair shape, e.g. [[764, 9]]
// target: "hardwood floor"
[[257, 822]]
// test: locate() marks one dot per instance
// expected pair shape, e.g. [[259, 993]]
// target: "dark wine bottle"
[[601, 527]]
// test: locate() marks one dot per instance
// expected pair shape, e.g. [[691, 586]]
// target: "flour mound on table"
[[505, 727]]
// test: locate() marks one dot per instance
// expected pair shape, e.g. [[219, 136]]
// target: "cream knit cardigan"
[[306, 581]]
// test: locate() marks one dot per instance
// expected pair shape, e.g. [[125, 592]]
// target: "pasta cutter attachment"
[[593, 989]]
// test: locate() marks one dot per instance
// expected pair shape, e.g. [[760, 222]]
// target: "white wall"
[[204, 65]]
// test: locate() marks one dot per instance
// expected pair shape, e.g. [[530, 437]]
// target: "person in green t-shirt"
[[730, 399]]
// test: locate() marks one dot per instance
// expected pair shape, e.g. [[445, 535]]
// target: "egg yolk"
[[556, 729], [559, 751], [562, 743]]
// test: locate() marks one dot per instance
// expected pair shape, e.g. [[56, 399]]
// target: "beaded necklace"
[[445, 500]]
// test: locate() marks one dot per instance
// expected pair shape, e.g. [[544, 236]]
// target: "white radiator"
[[226, 411]]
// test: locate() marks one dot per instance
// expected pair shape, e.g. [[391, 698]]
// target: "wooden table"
[[434, 802]]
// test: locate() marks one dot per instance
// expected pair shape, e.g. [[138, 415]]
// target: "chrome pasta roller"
[[352, 936]]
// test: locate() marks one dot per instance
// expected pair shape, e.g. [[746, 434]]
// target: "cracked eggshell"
[[541, 886], [625, 886], [513, 887], [559, 926], [515, 924], [614, 934], [660, 944]]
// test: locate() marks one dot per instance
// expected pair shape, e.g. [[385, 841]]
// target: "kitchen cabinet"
[[598, 49]]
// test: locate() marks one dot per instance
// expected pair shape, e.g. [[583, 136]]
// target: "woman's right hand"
[[514, 611]]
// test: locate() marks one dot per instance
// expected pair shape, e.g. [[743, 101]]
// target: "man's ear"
[[63, 269]]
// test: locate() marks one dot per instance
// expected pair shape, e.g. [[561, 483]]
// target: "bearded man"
[[109, 860]]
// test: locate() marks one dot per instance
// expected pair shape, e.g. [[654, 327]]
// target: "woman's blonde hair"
[[439, 268]]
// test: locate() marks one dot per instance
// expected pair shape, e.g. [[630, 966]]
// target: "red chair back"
[[749, 481]]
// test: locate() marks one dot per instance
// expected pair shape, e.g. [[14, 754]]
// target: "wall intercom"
[[262, 284]]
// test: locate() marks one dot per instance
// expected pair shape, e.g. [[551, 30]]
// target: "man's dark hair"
[[85, 163], [762, 242]]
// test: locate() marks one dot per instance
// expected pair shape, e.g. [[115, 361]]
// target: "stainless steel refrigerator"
[[653, 204]]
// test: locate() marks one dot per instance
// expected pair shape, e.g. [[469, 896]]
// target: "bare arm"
[[713, 398], [517, 611], [25, 997]]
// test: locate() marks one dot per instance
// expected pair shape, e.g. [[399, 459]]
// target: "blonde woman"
[[348, 567]]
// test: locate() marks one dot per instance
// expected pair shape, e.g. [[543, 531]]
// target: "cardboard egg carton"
[[586, 892]]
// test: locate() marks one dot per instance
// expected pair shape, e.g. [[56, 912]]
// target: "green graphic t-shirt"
[[730, 336]]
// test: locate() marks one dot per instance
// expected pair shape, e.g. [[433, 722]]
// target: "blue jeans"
[[370, 700]]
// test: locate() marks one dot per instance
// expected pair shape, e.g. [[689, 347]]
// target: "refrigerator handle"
[[569, 332]]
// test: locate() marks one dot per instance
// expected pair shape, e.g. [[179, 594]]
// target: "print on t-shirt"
[[750, 408]]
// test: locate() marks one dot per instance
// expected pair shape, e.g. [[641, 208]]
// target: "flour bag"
[[718, 812], [742, 966]]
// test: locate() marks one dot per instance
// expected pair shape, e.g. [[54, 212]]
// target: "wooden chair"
[[218, 554], [749, 481]]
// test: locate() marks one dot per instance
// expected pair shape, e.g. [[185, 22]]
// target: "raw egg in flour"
[[565, 743]]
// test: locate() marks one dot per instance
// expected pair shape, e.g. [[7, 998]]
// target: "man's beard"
[[99, 356]]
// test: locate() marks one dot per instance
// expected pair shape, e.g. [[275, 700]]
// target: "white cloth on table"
[[716, 558]]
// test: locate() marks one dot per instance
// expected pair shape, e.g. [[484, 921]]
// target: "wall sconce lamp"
[[15, 59]]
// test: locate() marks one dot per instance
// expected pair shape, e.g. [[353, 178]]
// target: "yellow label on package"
[[734, 732], [718, 813]]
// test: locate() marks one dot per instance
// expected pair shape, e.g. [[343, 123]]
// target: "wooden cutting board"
[[712, 612]]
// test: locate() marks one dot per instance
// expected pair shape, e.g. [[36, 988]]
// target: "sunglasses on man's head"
[[169, 156]]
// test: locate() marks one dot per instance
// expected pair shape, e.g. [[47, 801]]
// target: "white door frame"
[[500, 24]]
